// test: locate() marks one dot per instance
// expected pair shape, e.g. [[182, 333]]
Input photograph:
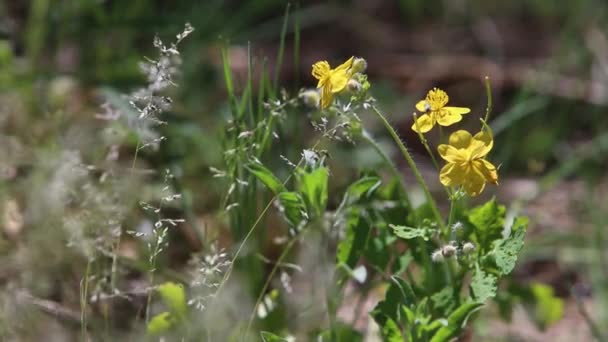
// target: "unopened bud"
[[468, 247], [310, 98], [353, 85], [448, 251], [359, 65], [457, 226], [437, 256]]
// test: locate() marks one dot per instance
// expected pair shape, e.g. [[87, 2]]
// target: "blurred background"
[[61, 60]]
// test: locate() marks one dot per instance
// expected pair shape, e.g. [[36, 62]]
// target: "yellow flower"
[[434, 104], [331, 81], [466, 165]]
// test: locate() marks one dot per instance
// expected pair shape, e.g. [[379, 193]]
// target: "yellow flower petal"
[[346, 66], [320, 70], [423, 106], [338, 80], [482, 144], [424, 123], [487, 169], [474, 182], [451, 175], [447, 118], [460, 139], [458, 110], [327, 97], [450, 153]]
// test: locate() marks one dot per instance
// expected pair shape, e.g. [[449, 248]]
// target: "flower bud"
[[457, 226], [448, 251], [359, 65], [310, 98], [437, 256], [353, 85], [468, 247]]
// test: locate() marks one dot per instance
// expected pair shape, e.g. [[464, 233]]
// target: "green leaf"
[[342, 332], [488, 220], [270, 337], [362, 188], [160, 323], [402, 262], [408, 233], [313, 186], [505, 251], [388, 328], [352, 245], [399, 293], [483, 285], [548, 308], [293, 208], [444, 300], [266, 177], [174, 297], [456, 322]]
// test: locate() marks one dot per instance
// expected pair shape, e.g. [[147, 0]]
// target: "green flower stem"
[[387, 160], [425, 143], [412, 165], [489, 96]]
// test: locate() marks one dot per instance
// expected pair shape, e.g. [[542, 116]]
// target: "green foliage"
[[409, 233], [488, 222], [505, 251], [362, 188], [456, 322], [351, 247], [266, 177], [548, 308], [389, 329], [313, 187], [174, 297], [270, 337], [161, 323], [483, 285], [293, 208]]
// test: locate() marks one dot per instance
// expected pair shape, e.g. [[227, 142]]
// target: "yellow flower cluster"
[[465, 154]]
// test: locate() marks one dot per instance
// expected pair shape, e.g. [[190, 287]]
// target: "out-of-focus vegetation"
[[80, 255]]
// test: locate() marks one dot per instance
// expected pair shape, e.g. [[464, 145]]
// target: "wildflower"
[[359, 65], [468, 247], [437, 112], [457, 226], [353, 85], [437, 256], [331, 81], [448, 251], [466, 165]]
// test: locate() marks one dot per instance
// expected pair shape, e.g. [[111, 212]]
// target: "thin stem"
[[412, 165], [255, 224], [278, 262], [425, 142], [489, 96], [84, 286], [452, 212]]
